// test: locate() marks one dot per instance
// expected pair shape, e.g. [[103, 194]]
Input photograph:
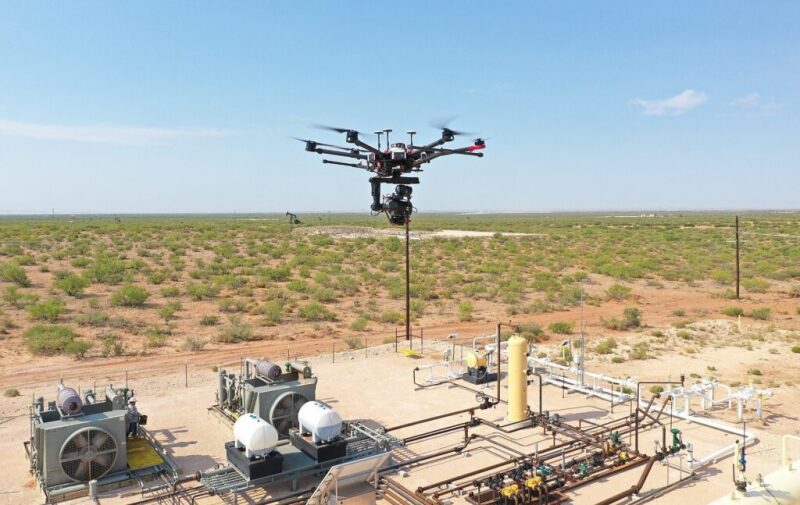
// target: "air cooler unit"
[[81, 448], [278, 403]]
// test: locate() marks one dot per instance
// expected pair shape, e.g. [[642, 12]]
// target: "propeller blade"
[[335, 129], [444, 125]]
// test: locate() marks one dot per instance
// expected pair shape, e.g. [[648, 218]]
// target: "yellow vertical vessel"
[[517, 379]]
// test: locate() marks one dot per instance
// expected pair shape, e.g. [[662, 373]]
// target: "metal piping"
[[638, 487]]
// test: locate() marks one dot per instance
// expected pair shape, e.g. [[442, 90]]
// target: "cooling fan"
[[88, 454], [283, 414]]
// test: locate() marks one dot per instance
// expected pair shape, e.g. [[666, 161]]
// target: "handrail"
[[786, 438]]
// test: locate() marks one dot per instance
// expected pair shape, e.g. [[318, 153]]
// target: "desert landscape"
[[165, 301]]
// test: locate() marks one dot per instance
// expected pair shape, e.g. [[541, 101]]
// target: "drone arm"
[[362, 145], [355, 165], [436, 153], [346, 154]]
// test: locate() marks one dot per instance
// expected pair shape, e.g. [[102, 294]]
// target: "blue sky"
[[189, 106]]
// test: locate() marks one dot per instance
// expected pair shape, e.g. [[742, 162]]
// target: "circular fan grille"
[[88, 454], [283, 415]]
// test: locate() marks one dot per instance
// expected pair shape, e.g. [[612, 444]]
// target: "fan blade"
[[103, 459], [82, 472], [81, 440], [98, 439]]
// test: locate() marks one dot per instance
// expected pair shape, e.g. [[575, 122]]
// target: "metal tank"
[[267, 369], [322, 422], [517, 379], [255, 435], [68, 401]]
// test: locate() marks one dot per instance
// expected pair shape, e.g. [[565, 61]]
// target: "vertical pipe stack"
[[517, 379]]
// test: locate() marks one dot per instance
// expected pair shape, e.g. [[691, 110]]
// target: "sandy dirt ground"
[[175, 391], [658, 304]]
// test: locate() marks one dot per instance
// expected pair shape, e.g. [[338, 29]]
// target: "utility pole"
[[737, 257], [408, 284], [583, 343]]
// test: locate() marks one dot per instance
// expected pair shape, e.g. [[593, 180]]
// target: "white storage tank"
[[321, 421], [257, 436]]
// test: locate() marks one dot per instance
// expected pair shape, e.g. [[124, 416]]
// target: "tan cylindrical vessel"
[[517, 379]]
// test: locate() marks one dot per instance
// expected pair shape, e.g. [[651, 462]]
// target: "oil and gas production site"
[[479, 420]]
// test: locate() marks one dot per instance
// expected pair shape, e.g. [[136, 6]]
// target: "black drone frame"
[[390, 164]]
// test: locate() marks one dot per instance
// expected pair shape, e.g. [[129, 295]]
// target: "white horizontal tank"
[[257, 436], [321, 421]]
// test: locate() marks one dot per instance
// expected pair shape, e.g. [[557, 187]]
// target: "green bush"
[[112, 346], [192, 344], [531, 332], [756, 285], [106, 269], [606, 347], [393, 316], [316, 312], [359, 324], [48, 340], [236, 331], [618, 292], [130, 295], [561, 328], [11, 393], [618, 359], [170, 292], [200, 291], [754, 371], [156, 338], [796, 349], [465, 310], [232, 305], [678, 313], [78, 348], [93, 318], [639, 351], [657, 389], [761, 313], [12, 272], [48, 310], [632, 317], [71, 284], [13, 296], [733, 311], [209, 320], [168, 311], [354, 343]]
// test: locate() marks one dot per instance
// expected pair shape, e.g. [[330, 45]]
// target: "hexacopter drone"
[[390, 163]]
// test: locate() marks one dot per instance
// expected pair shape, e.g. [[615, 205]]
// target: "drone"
[[391, 163]]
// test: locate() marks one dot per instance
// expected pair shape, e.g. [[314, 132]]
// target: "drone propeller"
[[335, 129], [443, 124]]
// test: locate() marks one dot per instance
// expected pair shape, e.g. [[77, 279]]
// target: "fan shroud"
[[88, 454]]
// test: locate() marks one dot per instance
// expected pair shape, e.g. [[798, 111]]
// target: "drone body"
[[391, 163]]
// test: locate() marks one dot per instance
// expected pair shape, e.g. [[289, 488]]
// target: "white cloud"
[[748, 101], [107, 134], [752, 104], [672, 106]]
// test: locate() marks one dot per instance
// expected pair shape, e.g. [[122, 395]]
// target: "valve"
[[532, 482], [510, 491]]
